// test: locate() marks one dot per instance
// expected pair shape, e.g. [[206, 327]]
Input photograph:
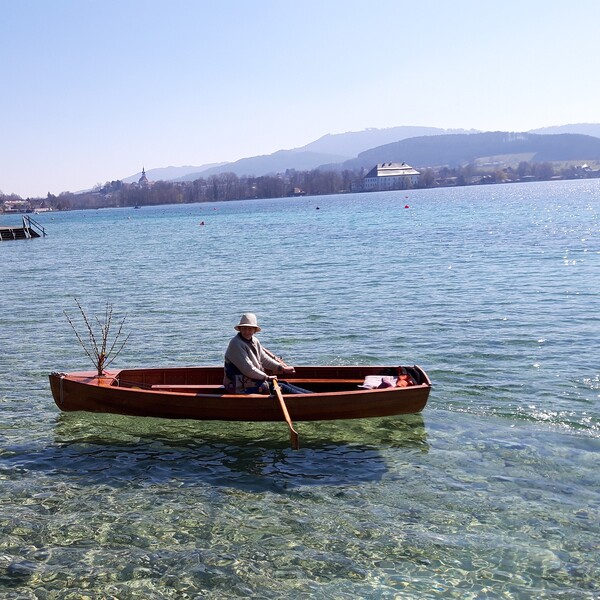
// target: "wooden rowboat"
[[197, 393]]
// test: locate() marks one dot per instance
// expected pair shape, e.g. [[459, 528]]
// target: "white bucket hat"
[[248, 320]]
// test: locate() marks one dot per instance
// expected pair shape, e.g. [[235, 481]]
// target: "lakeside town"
[[384, 176]]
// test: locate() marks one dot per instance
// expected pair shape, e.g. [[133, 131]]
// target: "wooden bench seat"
[[169, 386], [294, 380], [190, 389], [312, 384]]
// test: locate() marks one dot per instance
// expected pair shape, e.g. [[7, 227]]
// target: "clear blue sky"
[[92, 90]]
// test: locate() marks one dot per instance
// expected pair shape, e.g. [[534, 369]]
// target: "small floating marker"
[[318, 208], [201, 222], [406, 206]]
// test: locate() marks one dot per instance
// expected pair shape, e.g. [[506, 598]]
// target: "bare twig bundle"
[[98, 347]]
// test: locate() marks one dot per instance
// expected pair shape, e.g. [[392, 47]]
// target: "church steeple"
[[143, 180]]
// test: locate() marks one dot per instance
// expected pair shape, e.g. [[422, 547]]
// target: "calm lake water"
[[492, 492]]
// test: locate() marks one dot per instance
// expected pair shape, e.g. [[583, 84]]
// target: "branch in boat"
[[100, 354]]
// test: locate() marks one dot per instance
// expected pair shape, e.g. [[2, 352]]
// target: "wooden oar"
[[294, 440], [277, 358]]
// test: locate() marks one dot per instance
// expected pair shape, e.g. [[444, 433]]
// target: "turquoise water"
[[491, 492]]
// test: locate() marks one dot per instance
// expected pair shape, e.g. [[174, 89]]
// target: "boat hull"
[[195, 393]]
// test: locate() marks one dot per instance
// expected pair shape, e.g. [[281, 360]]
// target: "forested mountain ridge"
[[457, 150]]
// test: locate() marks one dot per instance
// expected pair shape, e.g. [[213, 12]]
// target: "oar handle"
[[280, 360], [294, 439]]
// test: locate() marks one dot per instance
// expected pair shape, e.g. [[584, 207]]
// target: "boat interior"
[[208, 380]]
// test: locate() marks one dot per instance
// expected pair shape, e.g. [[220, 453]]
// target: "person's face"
[[247, 332]]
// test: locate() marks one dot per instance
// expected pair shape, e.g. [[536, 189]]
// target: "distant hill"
[[169, 173], [461, 149], [277, 162], [592, 129], [352, 143], [331, 148]]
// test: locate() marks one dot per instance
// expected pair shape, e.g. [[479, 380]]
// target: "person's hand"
[[289, 370], [271, 377]]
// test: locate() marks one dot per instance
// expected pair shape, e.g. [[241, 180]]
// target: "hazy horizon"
[[97, 90]]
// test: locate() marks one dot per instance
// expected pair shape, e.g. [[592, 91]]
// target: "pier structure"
[[30, 229]]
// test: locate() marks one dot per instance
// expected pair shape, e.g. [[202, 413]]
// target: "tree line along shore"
[[316, 182]]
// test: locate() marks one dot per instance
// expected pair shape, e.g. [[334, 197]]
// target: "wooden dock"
[[30, 229]]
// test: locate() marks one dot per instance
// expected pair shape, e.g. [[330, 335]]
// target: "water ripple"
[[491, 492]]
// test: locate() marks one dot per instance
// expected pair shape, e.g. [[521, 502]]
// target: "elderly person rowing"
[[247, 362]]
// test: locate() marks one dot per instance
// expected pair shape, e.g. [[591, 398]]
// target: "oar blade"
[[294, 439]]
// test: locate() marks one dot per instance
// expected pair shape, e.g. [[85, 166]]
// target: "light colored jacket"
[[246, 363]]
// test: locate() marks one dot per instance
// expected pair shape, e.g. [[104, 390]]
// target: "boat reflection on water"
[[111, 449], [402, 431]]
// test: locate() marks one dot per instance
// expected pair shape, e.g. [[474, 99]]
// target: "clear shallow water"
[[491, 492]]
